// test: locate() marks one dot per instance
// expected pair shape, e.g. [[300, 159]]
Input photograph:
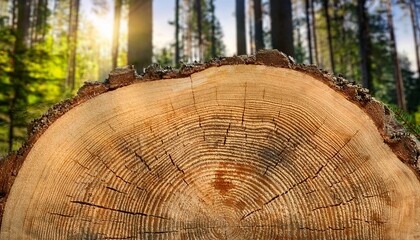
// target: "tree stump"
[[249, 147]]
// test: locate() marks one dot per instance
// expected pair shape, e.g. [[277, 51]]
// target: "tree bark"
[[228, 146], [416, 30], [177, 47], [328, 23], [140, 49], [308, 30], [317, 62], [251, 28], [72, 44], [41, 19], [282, 26], [240, 27], [258, 24], [116, 34], [199, 29], [213, 29], [364, 44], [19, 74], [394, 55]]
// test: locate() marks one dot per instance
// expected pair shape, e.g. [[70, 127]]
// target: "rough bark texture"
[[364, 44], [328, 23], [237, 148], [240, 27], [140, 33], [213, 29], [416, 30], [282, 26], [308, 30], [72, 44], [313, 23], [116, 32], [177, 43], [199, 29], [258, 24], [394, 55]]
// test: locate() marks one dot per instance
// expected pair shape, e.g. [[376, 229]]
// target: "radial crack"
[[250, 213], [118, 210]]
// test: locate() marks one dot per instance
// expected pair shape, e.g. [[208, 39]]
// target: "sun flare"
[[103, 26]]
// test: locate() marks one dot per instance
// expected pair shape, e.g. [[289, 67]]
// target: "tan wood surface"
[[231, 152]]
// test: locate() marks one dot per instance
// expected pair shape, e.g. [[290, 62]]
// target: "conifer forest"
[[49, 48]]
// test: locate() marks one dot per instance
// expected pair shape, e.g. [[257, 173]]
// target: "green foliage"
[[409, 121], [164, 57], [189, 29], [30, 81]]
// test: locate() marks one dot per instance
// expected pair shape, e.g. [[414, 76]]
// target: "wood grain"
[[231, 152]]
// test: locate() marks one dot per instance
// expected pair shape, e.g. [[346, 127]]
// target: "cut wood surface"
[[240, 148]]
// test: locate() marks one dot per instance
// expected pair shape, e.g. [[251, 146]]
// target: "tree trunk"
[[240, 27], [394, 54], [281, 26], [251, 28], [177, 47], [116, 34], [19, 75], [317, 62], [41, 20], [364, 44], [213, 29], [258, 24], [308, 31], [140, 49], [215, 153], [414, 22], [328, 23], [72, 44], [199, 29]]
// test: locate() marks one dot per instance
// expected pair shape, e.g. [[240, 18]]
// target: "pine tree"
[[364, 43], [282, 26], [416, 30], [72, 43], [240, 27], [116, 33], [329, 33], [140, 49], [258, 24], [394, 54], [177, 43], [308, 30]]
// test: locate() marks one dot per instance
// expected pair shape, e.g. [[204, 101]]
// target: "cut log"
[[239, 148]]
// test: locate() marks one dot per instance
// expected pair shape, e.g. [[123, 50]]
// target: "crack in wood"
[[107, 167], [160, 232], [226, 135], [334, 205], [272, 199], [244, 107], [324, 230], [143, 161], [122, 238], [60, 215], [196, 110], [335, 154], [173, 163], [115, 190], [250, 213], [117, 210]]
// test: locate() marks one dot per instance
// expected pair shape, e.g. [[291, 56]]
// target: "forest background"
[[49, 48]]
